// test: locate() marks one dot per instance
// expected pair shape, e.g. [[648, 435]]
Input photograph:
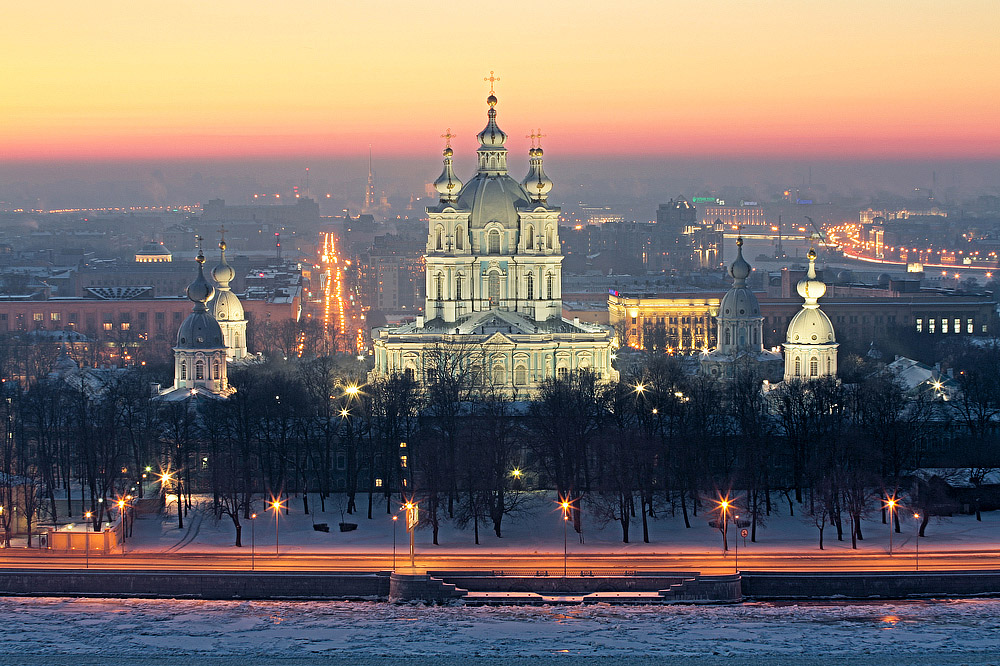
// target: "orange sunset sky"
[[226, 78]]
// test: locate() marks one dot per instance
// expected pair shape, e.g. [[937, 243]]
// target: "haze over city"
[[500, 333]]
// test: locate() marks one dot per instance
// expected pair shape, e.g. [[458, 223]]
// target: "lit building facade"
[[494, 282]]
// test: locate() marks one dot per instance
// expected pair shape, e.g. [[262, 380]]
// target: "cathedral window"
[[728, 337], [439, 286], [529, 241], [798, 366], [548, 238], [520, 375], [215, 370], [439, 238], [828, 366], [199, 369], [184, 370], [494, 288], [531, 286], [814, 367], [458, 287], [494, 242], [460, 238], [550, 285]]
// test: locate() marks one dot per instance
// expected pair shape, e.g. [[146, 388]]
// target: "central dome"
[[493, 198], [810, 326]]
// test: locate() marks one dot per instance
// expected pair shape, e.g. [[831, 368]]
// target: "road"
[[706, 563]]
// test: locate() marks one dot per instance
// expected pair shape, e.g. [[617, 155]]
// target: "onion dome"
[[448, 184], [536, 183], [492, 136], [740, 269], [811, 326], [200, 291], [223, 274]]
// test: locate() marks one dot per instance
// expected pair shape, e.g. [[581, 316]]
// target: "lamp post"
[[736, 522], [890, 504], [395, 521], [412, 518], [86, 535], [723, 505], [564, 504], [253, 539], [916, 542], [121, 516], [276, 507]]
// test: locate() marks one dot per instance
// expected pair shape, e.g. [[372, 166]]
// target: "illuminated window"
[[378, 483], [199, 369], [920, 325], [930, 325], [125, 325], [969, 327], [944, 324], [38, 316], [958, 325], [108, 326], [402, 461]]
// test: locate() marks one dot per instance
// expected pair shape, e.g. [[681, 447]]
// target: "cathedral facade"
[[494, 282]]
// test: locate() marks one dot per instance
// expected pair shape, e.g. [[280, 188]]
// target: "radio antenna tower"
[[370, 189]]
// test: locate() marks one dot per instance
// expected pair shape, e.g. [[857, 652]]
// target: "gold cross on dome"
[[222, 230], [491, 79], [539, 135], [531, 136], [448, 136]]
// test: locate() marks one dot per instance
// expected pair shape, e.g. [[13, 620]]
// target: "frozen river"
[[179, 632]]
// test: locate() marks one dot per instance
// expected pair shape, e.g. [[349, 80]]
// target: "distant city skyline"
[[227, 79]]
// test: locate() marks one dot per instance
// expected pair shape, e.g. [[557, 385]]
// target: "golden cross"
[[539, 135], [491, 79], [448, 136], [531, 136], [222, 230]]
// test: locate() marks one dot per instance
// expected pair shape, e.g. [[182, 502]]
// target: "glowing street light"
[[412, 518], [276, 505], [890, 504], [640, 388], [253, 539], [916, 516], [89, 515], [564, 505], [723, 505]]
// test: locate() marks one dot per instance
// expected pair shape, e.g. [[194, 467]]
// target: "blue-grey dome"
[[492, 198], [200, 331]]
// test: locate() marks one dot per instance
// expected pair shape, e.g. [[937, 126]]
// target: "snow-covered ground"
[[541, 531], [103, 631]]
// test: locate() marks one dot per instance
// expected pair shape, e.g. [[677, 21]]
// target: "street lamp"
[[276, 506], [395, 521], [916, 542], [565, 504], [890, 504], [412, 517], [165, 478], [723, 505], [253, 539], [86, 536], [122, 518]]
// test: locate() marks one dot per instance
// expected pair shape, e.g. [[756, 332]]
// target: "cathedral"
[[741, 329], [810, 346], [212, 336], [494, 282]]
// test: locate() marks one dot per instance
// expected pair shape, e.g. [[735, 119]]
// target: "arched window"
[[520, 375], [728, 337], [494, 288], [494, 242], [529, 240], [798, 367], [439, 238], [184, 370], [531, 286], [215, 370], [562, 372], [828, 366], [814, 367], [548, 238], [199, 369], [439, 286], [550, 285], [458, 287], [499, 375], [460, 237]]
